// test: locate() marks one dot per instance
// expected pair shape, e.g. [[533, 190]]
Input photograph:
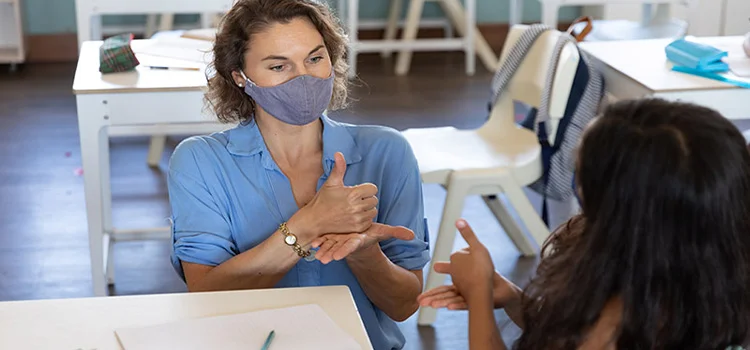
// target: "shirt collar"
[[246, 140]]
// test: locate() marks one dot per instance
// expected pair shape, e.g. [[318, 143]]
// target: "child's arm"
[[483, 332]]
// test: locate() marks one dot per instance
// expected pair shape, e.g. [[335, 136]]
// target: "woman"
[[248, 203], [659, 258]]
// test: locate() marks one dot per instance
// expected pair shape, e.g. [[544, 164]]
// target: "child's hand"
[[503, 293], [471, 268]]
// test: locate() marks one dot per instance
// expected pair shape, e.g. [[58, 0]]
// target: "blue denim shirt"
[[228, 195]]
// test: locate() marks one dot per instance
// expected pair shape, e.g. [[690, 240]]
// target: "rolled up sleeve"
[[201, 232], [402, 205]]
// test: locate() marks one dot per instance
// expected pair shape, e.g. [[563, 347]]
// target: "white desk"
[[89, 12], [639, 68], [141, 102], [89, 323]]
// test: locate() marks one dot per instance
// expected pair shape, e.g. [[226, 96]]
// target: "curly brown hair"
[[247, 17]]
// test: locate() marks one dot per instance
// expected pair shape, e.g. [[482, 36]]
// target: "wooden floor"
[[43, 238]]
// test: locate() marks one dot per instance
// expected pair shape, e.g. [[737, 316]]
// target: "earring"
[[241, 85]]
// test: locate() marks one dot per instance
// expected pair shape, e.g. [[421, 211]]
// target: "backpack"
[[586, 96]]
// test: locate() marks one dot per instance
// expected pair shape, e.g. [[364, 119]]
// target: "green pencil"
[[267, 344]]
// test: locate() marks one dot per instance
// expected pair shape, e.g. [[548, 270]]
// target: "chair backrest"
[[529, 80]]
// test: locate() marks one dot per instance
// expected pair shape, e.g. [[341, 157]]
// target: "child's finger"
[[435, 291]]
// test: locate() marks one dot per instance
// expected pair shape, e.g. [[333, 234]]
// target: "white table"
[[639, 68], [89, 12], [141, 102], [89, 323]]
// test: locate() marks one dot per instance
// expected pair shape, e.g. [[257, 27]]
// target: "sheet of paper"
[[178, 48], [299, 327], [200, 34], [739, 65]]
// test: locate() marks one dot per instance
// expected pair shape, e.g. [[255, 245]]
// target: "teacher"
[[289, 197]]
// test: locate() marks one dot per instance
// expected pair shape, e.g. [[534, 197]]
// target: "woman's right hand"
[[337, 208]]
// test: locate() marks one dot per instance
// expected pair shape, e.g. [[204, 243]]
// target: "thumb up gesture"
[[338, 208]]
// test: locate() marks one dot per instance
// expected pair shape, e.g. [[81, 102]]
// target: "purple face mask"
[[299, 101]]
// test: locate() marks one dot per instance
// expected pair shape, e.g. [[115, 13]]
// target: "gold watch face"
[[290, 239]]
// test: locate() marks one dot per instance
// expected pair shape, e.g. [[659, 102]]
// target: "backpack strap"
[[543, 113]]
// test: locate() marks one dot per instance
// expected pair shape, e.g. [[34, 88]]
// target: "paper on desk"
[[298, 327], [739, 65], [178, 48], [200, 34]]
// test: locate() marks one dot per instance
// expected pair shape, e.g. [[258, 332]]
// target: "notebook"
[[298, 327], [696, 56]]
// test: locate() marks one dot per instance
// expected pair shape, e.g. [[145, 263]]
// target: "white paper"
[[739, 65], [178, 48], [299, 327]]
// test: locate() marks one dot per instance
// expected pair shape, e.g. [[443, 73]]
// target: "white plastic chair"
[[499, 157]]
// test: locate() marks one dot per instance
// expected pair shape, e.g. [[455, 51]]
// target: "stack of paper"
[[201, 34], [299, 327], [178, 48]]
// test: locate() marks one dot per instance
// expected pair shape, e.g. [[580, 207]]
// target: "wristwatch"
[[291, 240]]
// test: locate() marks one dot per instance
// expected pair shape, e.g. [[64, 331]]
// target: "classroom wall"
[[58, 16]]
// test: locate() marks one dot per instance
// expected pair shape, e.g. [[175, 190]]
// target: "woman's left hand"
[[339, 246]]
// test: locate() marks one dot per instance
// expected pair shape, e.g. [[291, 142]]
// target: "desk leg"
[[516, 12], [93, 136], [156, 150], [96, 28], [550, 11], [83, 19], [106, 187], [352, 19]]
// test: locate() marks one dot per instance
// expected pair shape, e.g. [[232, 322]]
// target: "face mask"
[[299, 101]]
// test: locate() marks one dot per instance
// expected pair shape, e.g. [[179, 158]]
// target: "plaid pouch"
[[116, 55]]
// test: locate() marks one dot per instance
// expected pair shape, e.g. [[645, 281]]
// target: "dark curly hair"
[[247, 17], [665, 229]]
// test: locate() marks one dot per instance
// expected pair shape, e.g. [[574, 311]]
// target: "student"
[[248, 203], [659, 257]]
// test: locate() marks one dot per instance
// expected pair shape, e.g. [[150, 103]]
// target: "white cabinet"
[[12, 49]]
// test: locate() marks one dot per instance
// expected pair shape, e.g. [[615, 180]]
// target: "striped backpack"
[[586, 96]]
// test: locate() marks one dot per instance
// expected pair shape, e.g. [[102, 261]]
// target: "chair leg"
[[525, 210], [456, 15], [391, 28], [509, 225], [156, 149], [409, 34], [454, 203], [469, 34]]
